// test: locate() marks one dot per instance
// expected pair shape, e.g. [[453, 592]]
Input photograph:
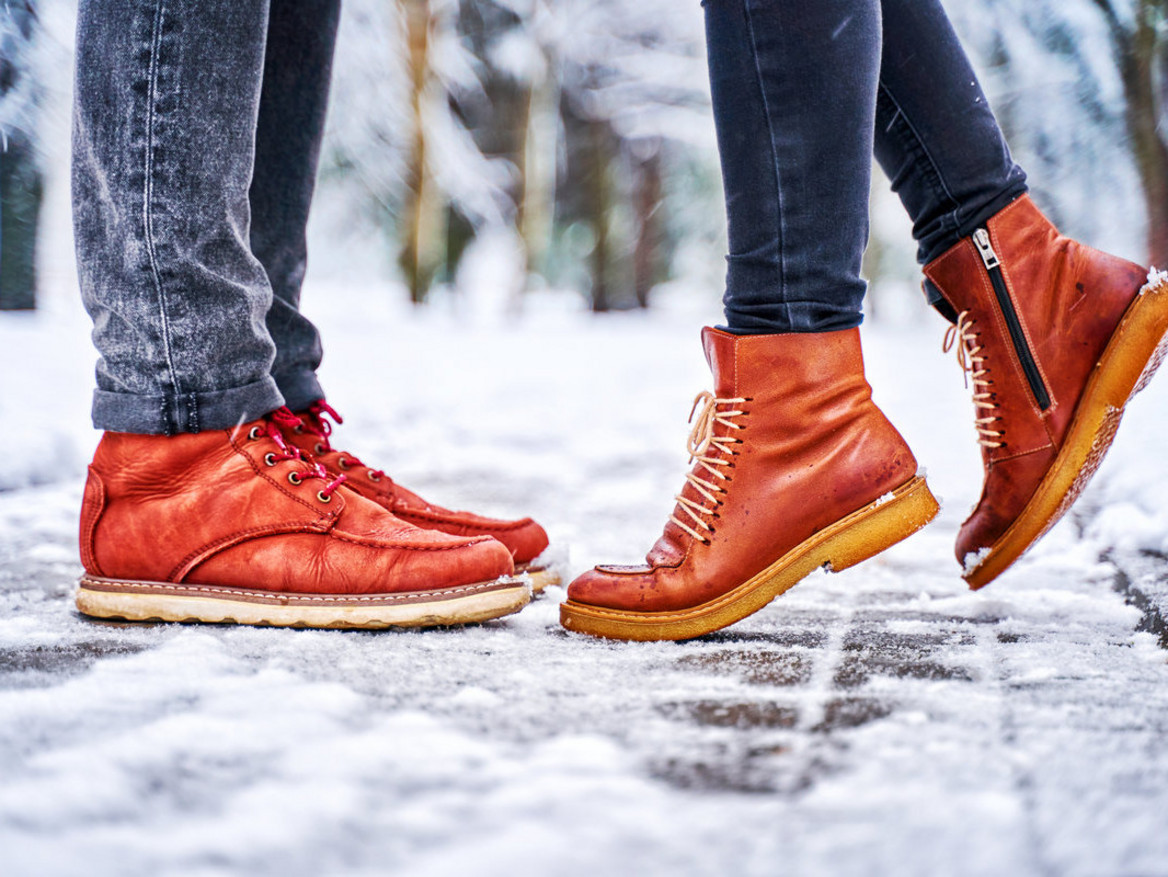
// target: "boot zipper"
[[981, 240]]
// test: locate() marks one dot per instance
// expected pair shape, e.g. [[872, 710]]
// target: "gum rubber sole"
[[845, 543], [165, 601], [1137, 348]]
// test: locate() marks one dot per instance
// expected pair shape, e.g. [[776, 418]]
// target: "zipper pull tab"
[[981, 240]]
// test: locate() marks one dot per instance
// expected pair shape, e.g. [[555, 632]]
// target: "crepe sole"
[[165, 601], [845, 543]]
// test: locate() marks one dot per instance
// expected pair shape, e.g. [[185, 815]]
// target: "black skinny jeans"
[[804, 94]]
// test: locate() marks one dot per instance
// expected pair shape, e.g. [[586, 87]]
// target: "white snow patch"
[[1157, 280], [974, 559]]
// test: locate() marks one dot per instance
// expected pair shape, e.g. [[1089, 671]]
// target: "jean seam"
[[774, 162], [148, 204], [936, 179]]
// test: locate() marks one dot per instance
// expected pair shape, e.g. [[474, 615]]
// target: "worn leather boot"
[[1056, 338], [524, 538], [795, 468], [238, 526]]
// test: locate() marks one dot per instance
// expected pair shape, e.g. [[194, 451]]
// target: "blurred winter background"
[[574, 139], [519, 229], [491, 157]]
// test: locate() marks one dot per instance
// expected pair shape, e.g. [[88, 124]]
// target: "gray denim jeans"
[[196, 138]]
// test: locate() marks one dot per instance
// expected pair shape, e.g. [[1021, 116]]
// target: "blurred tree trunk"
[[525, 180], [648, 261], [20, 202], [597, 193], [421, 216], [1139, 52], [21, 187]]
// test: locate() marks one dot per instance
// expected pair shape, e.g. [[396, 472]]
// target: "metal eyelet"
[[373, 476], [343, 463], [269, 459], [318, 449], [254, 433], [324, 497], [294, 478], [298, 428]]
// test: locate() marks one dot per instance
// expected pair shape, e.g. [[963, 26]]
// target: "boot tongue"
[[719, 347]]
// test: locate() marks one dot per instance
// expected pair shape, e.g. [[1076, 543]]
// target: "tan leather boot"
[[238, 526], [524, 538], [1056, 338], [795, 469]]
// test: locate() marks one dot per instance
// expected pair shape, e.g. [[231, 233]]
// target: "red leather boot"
[[795, 469], [1056, 338], [238, 526], [524, 538]]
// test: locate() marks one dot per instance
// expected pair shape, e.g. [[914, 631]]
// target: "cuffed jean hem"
[[190, 412], [299, 389], [935, 247]]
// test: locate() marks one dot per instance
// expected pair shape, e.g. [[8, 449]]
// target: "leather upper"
[[524, 538], [208, 508], [814, 448], [1069, 298]]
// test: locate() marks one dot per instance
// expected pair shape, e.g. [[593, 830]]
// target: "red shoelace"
[[283, 417], [318, 424]]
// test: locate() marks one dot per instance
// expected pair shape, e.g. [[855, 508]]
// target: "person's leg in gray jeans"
[[167, 97], [197, 505]]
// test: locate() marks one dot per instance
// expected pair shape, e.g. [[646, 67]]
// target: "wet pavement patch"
[[851, 712], [755, 667], [743, 715], [810, 637], [868, 653], [724, 772], [1144, 590], [19, 664]]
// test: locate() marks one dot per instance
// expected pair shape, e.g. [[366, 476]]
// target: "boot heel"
[[881, 525]]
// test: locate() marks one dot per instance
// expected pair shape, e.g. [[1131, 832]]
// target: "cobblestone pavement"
[[880, 721]]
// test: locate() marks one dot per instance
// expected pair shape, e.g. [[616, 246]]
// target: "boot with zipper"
[[795, 468], [1056, 338]]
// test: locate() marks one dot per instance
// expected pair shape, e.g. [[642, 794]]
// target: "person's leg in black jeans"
[[1033, 312], [803, 94], [794, 467], [1056, 337], [794, 95], [936, 136]]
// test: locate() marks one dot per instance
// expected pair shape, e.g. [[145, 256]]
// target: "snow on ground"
[[880, 721]]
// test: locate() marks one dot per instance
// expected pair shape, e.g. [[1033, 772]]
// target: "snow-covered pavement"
[[880, 721]]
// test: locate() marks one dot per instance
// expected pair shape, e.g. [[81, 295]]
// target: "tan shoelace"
[[701, 440], [972, 367]]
